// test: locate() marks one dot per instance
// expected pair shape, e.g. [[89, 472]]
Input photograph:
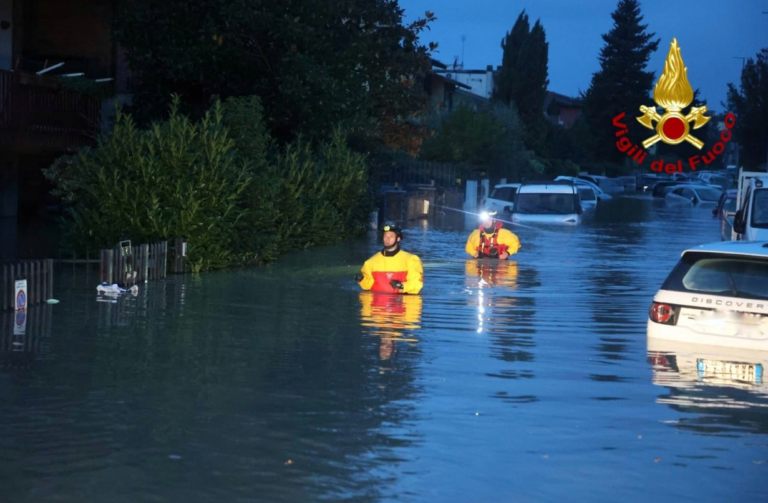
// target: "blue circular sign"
[[21, 300], [21, 317]]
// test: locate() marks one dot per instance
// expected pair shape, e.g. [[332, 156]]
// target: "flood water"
[[530, 380]]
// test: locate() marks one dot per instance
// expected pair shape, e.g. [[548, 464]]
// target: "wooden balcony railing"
[[43, 117]]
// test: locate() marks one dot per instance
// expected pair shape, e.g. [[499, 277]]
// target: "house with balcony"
[[43, 43]]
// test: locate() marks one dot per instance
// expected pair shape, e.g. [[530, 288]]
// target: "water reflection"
[[726, 388], [390, 316], [24, 336]]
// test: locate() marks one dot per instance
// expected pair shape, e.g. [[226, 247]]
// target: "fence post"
[[179, 255], [145, 262], [50, 278], [165, 257], [107, 258], [4, 289]]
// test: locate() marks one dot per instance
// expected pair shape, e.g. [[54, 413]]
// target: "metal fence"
[[425, 173], [39, 276], [128, 265]]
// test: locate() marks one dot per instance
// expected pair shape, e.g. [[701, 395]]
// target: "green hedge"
[[220, 182]]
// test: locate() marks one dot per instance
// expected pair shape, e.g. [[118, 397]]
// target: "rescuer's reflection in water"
[[390, 317], [485, 273], [481, 277]]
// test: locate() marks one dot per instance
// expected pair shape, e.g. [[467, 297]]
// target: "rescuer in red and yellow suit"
[[490, 240], [392, 270]]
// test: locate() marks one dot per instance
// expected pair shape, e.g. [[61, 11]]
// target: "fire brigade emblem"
[[673, 93]]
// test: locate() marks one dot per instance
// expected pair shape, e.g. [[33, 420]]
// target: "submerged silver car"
[[547, 203]]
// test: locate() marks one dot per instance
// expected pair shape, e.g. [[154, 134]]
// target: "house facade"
[[42, 43], [480, 82]]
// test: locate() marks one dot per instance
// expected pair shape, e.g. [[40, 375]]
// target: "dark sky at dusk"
[[710, 34]]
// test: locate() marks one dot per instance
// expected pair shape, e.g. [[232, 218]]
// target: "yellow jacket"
[[501, 237], [380, 269]]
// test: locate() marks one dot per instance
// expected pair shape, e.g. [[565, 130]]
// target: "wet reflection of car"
[[727, 386], [717, 294], [547, 202], [392, 318], [692, 194]]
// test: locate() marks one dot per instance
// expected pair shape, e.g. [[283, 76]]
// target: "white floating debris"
[[52, 301], [174, 457]]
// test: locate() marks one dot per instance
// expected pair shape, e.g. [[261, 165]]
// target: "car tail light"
[[664, 313]]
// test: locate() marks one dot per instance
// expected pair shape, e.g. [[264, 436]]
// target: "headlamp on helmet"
[[390, 227], [488, 214]]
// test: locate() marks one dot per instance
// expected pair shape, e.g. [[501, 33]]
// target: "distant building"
[[562, 110], [480, 82], [442, 89]]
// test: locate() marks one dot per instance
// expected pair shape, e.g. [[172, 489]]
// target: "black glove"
[[359, 277], [397, 285]]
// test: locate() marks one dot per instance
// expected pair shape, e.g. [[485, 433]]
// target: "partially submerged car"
[[717, 294], [608, 185], [601, 194], [726, 207], [750, 223], [694, 194], [547, 202], [502, 198], [587, 197]]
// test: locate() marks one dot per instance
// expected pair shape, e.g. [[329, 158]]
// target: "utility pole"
[[463, 39]]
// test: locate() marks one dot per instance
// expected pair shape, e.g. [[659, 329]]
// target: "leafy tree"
[[315, 64], [750, 105], [622, 84], [464, 136], [490, 137], [523, 77]]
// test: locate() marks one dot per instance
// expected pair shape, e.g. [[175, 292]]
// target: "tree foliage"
[[316, 64], [490, 137], [622, 84], [750, 105], [218, 182], [523, 76]]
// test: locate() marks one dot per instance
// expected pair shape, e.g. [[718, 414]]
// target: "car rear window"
[[504, 193], [760, 209], [586, 194], [546, 203], [726, 275]]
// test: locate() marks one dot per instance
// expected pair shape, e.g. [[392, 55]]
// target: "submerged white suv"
[[547, 203], [718, 295]]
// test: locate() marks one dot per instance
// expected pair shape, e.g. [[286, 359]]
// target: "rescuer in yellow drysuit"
[[490, 240], [392, 270]]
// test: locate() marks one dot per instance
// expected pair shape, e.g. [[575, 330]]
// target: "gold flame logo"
[[673, 92]]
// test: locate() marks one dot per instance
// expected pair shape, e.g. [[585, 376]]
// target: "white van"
[[547, 203], [750, 222]]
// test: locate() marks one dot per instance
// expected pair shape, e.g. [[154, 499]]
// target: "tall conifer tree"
[[622, 84], [523, 76]]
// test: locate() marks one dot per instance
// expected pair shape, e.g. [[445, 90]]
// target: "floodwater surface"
[[527, 380]]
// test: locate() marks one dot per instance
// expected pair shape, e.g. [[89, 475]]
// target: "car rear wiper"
[[734, 291]]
